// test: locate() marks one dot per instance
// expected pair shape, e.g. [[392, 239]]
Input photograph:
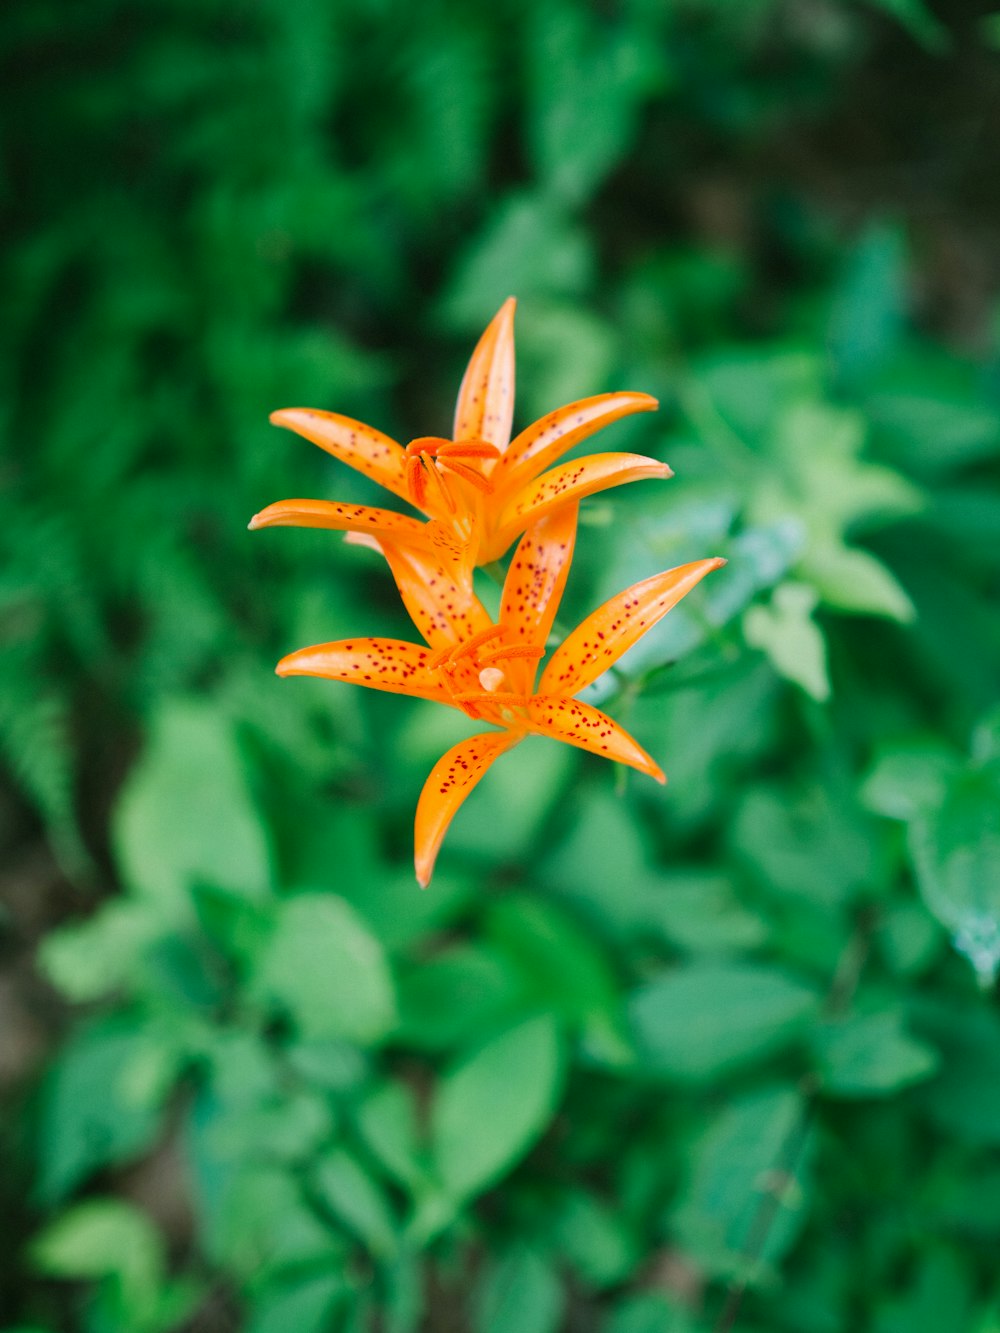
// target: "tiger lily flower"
[[487, 670], [479, 490]]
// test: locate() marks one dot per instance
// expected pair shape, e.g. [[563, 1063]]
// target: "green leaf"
[[185, 816], [595, 1240], [909, 778], [794, 644], [106, 1238], [700, 1021], [752, 1159], [387, 1122], [450, 998], [490, 1108], [304, 1303], [327, 971], [870, 1056], [87, 959], [90, 1117], [353, 1196], [561, 968], [521, 1294], [956, 854]]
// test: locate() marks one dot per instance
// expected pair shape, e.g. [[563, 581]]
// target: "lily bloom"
[[480, 490], [487, 670]]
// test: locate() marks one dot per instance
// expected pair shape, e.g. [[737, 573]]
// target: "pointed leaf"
[[491, 1108]]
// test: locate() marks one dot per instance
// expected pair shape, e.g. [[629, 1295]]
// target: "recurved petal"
[[599, 641], [564, 484], [379, 664], [534, 587], [579, 724], [359, 446], [382, 524], [444, 608], [451, 780], [485, 406], [544, 441]]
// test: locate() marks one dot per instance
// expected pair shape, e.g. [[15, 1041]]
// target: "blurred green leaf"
[[88, 1117], [185, 816], [870, 1055], [701, 1020], [492, 1106], [325, 969], [351, 1194], [749, 1168], [520, 1294], [793, 642]]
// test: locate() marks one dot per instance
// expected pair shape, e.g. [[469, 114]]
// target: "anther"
[[505, 654], [468, 474]]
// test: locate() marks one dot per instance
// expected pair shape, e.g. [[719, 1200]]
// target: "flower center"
[[466, 665], [432, 462]]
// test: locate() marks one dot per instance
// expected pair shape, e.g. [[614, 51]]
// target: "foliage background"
[[633, 1049]]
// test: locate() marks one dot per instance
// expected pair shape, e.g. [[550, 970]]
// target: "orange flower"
[[487, 669], [481, 489]]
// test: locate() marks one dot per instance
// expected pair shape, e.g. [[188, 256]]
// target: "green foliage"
[[633, 1045]]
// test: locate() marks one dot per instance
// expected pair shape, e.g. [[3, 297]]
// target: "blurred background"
[[723, 1055]]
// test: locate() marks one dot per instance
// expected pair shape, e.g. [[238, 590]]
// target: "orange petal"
[[378, 523], [540, 444], [599, 641], [485, 406], [359, 446], [378, 664], [564, 484], [534, 587], [578, 724], [444, 609], [451, 780]]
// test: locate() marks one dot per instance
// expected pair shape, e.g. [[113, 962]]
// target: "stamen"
[[443, 491], [425, 444], [416, 481], [439, 658], [477, 641], [505, 654], [468, 449], [468, 474]]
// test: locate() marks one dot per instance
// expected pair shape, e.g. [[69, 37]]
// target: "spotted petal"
[[445, 610], [379, 664], [599, 641], [451, 780], [359, 446], [381, 524], [588, 728], [546, 440], [563, 485], [534, 587], [485, 406]]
